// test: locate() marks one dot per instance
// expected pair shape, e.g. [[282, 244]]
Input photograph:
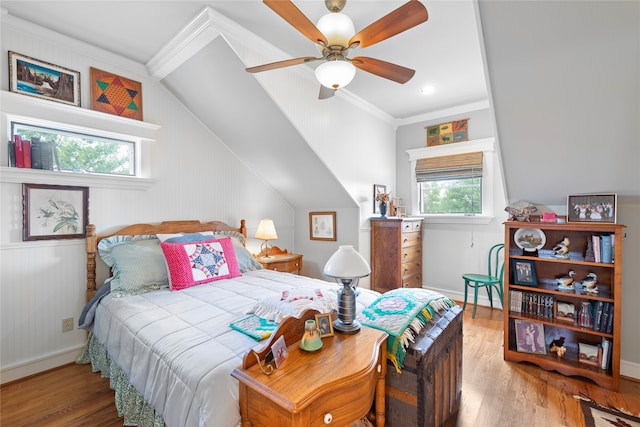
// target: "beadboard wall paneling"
[[197, 177]]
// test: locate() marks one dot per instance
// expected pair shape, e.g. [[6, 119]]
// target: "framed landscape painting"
[[32, 77]]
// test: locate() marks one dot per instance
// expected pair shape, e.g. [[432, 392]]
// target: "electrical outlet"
[[67, 324]]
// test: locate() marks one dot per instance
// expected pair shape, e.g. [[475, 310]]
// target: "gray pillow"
[[137, 264]]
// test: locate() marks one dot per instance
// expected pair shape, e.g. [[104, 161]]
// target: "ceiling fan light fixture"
[[335, 74], [338, 28]]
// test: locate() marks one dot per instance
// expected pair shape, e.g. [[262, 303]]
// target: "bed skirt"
[[129, 403]]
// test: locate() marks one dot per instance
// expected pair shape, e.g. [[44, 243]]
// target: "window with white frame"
[[453, 181], [56, 147]]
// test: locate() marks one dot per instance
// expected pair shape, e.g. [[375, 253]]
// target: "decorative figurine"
[[565, 283], [520, 211], [562, 249], [590, 283], [557, 347]]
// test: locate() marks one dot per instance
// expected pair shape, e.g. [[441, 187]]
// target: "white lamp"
[[347, 266], [266, 231], [336, 72]]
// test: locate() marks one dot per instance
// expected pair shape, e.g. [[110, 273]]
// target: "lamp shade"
[[335, 74], [266, 230], [337, 28], [346, 263]]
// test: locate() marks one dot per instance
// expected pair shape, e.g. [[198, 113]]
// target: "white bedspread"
[[178, 349]]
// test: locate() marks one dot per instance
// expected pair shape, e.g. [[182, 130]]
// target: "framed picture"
[[524, 272], [54, 212], [115, 94], [30, 76], [322, 226], [279, 351], [377, 189], [592, 208], [530, 337], [325, 325]]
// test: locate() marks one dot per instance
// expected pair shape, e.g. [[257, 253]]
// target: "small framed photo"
[[378, 189], [322, 226], [279, 351], [530, 337], [589, 354], [592, 208], [32, 77], [565, 312], [54, 212], [325, 325], [524, 272]]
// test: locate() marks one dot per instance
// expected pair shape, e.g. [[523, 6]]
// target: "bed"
[[169, 353]]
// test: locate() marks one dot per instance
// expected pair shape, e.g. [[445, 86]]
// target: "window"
[[453, 183], [67, 150], [450, 184]]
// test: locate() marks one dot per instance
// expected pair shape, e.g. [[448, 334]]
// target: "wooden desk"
[[335, 385]]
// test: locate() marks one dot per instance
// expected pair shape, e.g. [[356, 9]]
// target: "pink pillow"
[[194, 263]]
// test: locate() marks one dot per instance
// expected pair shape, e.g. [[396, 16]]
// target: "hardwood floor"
[[494, 393]]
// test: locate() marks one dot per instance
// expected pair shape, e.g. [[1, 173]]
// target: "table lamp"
[[347, 266], [266, 231]]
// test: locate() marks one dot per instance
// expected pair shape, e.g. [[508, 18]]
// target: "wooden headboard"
[[166, 227]]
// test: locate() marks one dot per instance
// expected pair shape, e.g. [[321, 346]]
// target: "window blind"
[[457, 166]]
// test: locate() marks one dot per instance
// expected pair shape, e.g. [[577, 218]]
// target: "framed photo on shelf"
[[32, 77], [54, 212], [279, 351], [565, 312], [592, 208], [530, 337], [322, 226], [377, 189], [325, 325], [524, 272], [589, 354]]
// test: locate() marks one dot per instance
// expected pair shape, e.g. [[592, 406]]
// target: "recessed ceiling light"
[[427, 90]]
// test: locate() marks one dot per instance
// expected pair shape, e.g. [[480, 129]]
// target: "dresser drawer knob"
[[328, 418]]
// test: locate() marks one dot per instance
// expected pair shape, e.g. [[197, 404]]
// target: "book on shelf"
[[606, 247], [36, 153], [605, 363], [17, 142], [598, 313], [11, 154], [26, 153], [609, 323]]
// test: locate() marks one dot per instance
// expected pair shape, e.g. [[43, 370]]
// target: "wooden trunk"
[[428, 391]]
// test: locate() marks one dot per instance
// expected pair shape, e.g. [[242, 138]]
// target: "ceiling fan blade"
[[403, 18], [281, 64], [290, 13], [390, 71], [325, 92]]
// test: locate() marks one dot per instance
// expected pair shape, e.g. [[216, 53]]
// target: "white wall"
[[450, 250], [43, 282]]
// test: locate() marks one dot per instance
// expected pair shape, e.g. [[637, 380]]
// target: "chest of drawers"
[[396, 253]]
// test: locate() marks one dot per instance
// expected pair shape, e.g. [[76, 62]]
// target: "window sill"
[[457, 219], [20, 175]]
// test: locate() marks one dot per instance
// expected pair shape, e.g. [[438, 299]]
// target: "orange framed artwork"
[[115, 94]]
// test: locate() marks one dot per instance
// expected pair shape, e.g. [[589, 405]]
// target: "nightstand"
[[281, 260], [335, 385]]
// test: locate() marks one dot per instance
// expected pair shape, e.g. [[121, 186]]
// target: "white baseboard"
[[41, 364], [628, 369]]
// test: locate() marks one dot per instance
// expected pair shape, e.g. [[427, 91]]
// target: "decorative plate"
[[529, 239]]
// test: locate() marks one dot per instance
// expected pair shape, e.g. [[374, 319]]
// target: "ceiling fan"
[[335, 36]]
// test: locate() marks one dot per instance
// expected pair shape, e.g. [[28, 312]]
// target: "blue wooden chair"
[[493, 278]]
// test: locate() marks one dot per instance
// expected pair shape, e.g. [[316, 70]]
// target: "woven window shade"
[[457, 166]]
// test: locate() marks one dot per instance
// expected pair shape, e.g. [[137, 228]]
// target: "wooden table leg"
[[380, 386], [244, 406]]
